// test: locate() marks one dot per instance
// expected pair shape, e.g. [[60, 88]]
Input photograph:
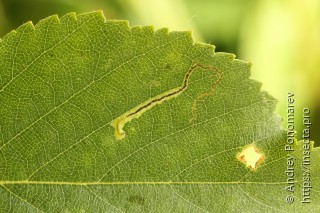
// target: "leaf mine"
[[251, 157], [119, 123]]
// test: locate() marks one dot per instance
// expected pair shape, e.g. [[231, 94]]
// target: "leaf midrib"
[[141, 183]]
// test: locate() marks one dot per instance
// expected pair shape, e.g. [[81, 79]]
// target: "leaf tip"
[[47, 21], [161, 32], [101, 15], [24, 28], [205, 48], [144, 29], [28, 26], [187, 35], [95, 15], [232, 56]]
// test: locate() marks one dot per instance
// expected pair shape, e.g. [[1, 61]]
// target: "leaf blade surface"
[[65, 80]]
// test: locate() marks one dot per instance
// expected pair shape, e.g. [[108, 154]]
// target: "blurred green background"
[[280, 37]]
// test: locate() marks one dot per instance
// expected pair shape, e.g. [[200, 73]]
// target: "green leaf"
[[65, 82]]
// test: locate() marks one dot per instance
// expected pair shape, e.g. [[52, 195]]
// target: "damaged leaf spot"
[[251, 157]]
